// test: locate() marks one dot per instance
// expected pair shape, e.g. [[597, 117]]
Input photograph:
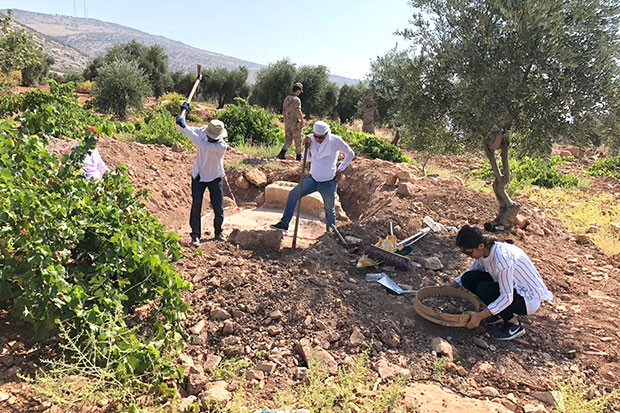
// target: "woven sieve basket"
[[445, 319]]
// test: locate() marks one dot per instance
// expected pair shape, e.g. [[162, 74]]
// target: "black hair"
[[470, 237], [296, 88]]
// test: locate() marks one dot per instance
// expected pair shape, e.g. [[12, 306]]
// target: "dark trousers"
[[481, 283], [216, 194]]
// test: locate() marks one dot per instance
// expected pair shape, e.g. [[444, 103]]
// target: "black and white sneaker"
[[195, 242], [509, 332], [280, 225], [493, 320]]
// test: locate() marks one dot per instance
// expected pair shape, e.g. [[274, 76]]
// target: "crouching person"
[[504, 278]]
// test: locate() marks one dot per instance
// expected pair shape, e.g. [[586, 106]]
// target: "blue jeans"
[[216, 194], [327, 190]]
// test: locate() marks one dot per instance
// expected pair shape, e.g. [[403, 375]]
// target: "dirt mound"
[[276, 299]]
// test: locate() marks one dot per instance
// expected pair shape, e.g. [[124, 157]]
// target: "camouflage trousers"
[[292, 133], [368, 127]]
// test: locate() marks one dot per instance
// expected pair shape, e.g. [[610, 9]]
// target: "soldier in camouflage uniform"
[[293, 121], [370, 115]]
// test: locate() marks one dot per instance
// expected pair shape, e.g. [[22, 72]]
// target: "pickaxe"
[[191, 94]]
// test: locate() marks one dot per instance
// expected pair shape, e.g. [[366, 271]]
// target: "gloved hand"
[[181, 121], [185, 105]]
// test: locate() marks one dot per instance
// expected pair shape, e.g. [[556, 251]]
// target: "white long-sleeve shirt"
[[209, 155], [513, 270], [323, 157], [94, 166]]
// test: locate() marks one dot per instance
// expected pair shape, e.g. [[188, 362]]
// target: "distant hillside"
[[73, 41], [66, 58]]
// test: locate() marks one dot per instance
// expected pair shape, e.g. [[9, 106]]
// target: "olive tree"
[[152, 60], [273, 84], [35, 74], [397, 85], [225, 85], [350, 100], [319, 98], [120, 85], [17, 48], [183, 82], [539, 70]]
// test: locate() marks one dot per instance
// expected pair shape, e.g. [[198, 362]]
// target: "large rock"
[[229, 202], [256, 177], [241, 182], [256, 238], [404, 176], [304, 347], [217, 394], [406, 189], [442, 347], [391, 179], [357, 338], [430, 398], [521, 221], [573, 150], [312, 205]]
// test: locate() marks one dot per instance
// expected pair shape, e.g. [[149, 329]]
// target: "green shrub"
[[173, 106], [77, 256], [11, 79], [55, 113], [366, 144], [606, 167], [84, 87], [246, 123], [371, 145], [533, 171], [159, 127]]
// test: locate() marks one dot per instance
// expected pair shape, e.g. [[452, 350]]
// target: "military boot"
[[298, 157], [282, 154]]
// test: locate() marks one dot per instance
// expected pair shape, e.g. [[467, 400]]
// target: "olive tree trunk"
[[508, 209]]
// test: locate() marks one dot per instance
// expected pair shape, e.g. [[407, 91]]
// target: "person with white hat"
[[293, 121], [208, 172], [324, 149]]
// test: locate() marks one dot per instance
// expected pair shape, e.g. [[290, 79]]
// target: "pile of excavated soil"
[[261, 304]]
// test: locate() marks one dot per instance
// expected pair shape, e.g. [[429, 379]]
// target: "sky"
[[343, 35]]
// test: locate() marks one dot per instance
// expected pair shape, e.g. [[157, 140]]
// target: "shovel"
[[301, 183], [350, 248], [406, 245], [390, 286]]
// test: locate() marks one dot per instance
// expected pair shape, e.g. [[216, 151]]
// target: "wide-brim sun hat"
[[215, 130]]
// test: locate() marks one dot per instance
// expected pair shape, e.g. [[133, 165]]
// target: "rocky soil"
[[272, 305]]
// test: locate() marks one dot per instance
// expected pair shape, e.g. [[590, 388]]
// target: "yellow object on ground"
[[365, 261]]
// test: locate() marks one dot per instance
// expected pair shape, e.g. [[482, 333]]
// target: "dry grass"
[[584, 213]]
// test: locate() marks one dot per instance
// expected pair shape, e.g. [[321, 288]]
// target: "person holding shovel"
[[504, 278], [293, 121], [323, 150], [208, 172]]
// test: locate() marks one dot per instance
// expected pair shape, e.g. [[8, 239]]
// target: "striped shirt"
[[513, 270]]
